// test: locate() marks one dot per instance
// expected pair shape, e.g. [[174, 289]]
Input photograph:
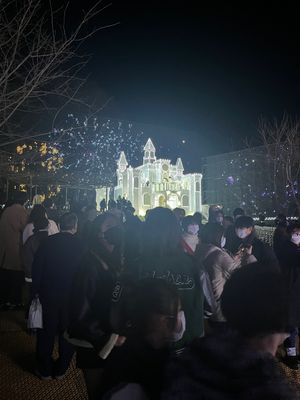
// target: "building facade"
[[157, 182], [246, 178]]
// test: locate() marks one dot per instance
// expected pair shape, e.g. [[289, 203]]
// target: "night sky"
[[202, 76]]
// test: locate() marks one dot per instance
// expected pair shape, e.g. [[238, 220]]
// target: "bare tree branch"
[[41, 63], [281, 140]]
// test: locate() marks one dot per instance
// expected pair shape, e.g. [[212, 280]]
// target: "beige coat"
[[12, 223], [219, 266]]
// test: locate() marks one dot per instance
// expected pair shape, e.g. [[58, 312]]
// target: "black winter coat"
[[262, 251], [29, 250], [223, 368], [233, 242], [136, 362], [289, 259], [91, 301], [54, 266]]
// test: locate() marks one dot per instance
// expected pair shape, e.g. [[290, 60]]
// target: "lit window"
[[147, 200], [185, 201]]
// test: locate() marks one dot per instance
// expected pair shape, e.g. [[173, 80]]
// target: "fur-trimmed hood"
[[223, 368]]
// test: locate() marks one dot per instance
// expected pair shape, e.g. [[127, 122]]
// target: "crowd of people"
[[167, 307]]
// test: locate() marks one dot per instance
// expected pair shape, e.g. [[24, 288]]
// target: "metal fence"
[[265, 233]]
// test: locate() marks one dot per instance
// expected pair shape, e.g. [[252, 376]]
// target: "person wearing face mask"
[[219, 265], [162, 257], [245, 231], [189, 239], [54, 266], [90, 328], [233, 242], [289, 259]]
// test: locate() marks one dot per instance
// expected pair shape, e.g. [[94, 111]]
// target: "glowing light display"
[[157, 182], [81, 152]]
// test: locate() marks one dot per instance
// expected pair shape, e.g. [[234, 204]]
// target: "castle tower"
[[149, 153], [122, 162], [179, 166]]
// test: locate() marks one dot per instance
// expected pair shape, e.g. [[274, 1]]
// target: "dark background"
[[196, 73]]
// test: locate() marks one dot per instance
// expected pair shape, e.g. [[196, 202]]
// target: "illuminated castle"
[[158, 183]]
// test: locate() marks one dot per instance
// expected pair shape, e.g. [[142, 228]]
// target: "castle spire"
[[122, 162], [179, 165], [149, 152]]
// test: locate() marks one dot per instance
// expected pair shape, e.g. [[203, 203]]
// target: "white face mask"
[[193, 229], [241, 233], [178, 335], [223, 241], [295, 238]]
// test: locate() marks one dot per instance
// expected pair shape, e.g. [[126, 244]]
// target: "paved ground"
[[17, 380], [17, 364]]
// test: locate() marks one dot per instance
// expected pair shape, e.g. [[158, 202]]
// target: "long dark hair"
[[153, 296], [161, 232], [212, 234], [95, 245], [38, 218]]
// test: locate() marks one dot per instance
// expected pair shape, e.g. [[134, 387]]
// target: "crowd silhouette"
[[166, 307]]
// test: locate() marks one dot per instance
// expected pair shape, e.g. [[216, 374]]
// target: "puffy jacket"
[[219, 266], [91, 301]]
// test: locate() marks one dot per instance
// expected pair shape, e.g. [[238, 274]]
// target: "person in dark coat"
[[280, 235], [37, 214], [215, 215], [155, 320], [53, 270], [233, 242], [239, 364], [163, 258], [289, 259], [133, 231], [102, 205], [90, 328], [245, 231]]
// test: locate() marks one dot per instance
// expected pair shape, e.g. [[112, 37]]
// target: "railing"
[[173, 187], [265, 233]]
